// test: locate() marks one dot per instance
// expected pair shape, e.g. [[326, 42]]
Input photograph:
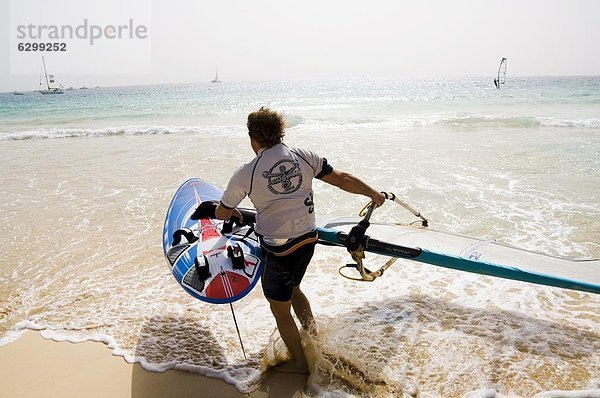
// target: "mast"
[[45, 73], [216, 79]]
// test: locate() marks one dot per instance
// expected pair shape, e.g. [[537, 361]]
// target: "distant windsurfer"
[[279, 183], [501, 79]]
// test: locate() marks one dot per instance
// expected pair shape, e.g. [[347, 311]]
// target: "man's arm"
[[352, 184], [223, 213]]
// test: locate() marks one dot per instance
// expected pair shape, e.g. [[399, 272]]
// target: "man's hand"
[[378, 198], [223, 213], [237, 215]]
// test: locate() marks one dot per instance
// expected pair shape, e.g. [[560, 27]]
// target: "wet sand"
[[34, 367]]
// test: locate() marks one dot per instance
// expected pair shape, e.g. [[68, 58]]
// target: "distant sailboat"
[[501, 79], [49, 79], [216, 79]]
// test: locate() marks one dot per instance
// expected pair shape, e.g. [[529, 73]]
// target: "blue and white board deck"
[[196, 250]]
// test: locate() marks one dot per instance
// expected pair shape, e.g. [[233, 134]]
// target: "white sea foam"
[[447, 120], [570, 394], [592, 123], [129, 130]]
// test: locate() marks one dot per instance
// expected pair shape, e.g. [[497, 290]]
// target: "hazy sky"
[[275, 40]]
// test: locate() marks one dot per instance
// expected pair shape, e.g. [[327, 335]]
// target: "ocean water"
[[87, 177]]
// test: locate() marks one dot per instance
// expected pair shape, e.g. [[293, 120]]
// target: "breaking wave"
[[482, 121], [400, 122], [453, 121], [57, 132]]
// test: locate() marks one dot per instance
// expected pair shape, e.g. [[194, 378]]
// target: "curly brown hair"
[[266, 127]]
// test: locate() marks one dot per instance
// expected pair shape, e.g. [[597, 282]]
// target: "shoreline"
[[32, 366]]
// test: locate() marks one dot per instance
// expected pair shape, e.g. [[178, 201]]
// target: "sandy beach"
[[32, 366]]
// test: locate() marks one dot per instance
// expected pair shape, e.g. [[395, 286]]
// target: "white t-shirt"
[[279, 183]]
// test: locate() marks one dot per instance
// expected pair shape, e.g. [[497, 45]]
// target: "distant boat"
[[216, 79], [501, 79], [17, 93], [48, 79], [83, 88], [70, 88]]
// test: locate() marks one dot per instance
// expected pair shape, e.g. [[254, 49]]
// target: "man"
[[279, 183]]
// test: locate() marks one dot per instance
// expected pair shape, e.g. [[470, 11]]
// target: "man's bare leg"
[[302, 310], [289, 333]]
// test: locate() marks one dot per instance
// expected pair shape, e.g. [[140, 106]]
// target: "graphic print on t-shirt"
[[284, 177], [309, 202]]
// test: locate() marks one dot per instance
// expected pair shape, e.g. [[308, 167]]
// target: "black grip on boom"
[[206, 209], [356, 238], [249, 215]]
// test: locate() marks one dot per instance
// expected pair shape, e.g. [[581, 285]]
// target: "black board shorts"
[[283, 273]]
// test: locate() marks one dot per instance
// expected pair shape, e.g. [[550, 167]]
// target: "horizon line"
[[373, 78]]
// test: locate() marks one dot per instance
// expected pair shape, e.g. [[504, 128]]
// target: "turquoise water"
[[87, 177], [465, 103]]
